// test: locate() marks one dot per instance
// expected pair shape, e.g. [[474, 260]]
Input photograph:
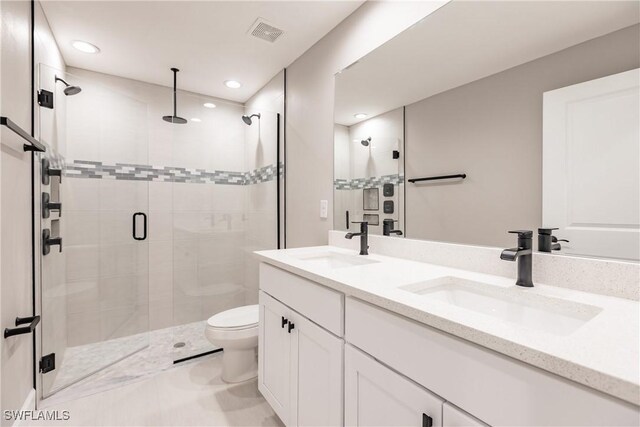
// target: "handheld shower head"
[[69, 90], [247, 119], [366, 142]]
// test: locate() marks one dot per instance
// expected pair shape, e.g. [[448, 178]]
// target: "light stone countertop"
[[603, 353]]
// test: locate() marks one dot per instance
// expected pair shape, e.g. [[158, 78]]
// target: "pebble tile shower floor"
[[141, 361]]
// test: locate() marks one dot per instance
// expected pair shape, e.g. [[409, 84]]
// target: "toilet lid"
[[238, 317]]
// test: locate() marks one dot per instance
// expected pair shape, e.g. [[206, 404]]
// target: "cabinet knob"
[[291, 326], [284, 322]]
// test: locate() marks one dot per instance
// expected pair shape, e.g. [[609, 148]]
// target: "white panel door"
[[591, 166], [274, 351], [377, 396], [317, 386]]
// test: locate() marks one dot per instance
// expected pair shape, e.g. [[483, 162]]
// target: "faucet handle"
[[523, 234], [546, 231]]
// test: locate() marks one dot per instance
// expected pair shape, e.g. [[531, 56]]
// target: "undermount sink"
[[513, 304], [333, 260]]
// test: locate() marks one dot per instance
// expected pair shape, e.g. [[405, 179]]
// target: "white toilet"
[[236, 331]]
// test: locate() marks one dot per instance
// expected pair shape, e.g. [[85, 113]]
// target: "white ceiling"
[[464, 41], [206, 40]]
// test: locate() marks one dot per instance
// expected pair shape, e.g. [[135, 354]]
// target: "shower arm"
[[175, 82]]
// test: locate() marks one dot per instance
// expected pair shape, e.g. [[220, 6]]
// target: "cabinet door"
[[274, 354], [454, 417], [377, 396], [317, 365]]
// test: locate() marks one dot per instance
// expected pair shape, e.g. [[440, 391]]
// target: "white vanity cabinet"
[[499, 390], [274, 349], [377, 396], [397, 371], [316, 379], [300, 369]]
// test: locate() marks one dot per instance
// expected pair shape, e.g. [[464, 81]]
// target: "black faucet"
[[547, 242], [523, 253], [364, 236], [387, 227]]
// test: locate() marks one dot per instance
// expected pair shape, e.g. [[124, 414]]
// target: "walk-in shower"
[[158, 227]]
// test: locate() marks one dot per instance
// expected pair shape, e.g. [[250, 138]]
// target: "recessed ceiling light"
[[360, 116], [85, 46], [232, 84], [209, 105], [195, 119]]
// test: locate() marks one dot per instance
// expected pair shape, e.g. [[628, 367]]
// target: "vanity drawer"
[[496, 389], [318, 303]]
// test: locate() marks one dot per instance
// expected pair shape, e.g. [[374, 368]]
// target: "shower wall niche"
[[209, 191]]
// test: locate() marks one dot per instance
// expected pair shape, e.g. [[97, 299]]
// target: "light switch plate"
[[324, 209]]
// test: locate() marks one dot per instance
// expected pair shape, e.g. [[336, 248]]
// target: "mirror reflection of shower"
[[247, 118], [69, 90]]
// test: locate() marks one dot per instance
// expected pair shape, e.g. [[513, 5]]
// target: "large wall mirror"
[[486, 117]]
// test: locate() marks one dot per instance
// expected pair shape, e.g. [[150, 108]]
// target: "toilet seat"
[[236, 319]]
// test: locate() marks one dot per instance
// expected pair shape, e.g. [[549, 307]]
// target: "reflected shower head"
[[247, 119], [69, 90], [366, 142]]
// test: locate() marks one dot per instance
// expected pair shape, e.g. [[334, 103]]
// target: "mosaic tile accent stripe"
[[375, 181], [133, 172]]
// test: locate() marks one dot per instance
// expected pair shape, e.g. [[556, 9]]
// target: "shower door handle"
[[135, 226]]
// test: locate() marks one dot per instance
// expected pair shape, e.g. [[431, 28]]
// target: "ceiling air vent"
[[265, 31]]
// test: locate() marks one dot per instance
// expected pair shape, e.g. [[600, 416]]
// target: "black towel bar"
[[32, 323], [34, 144], [434, 178]]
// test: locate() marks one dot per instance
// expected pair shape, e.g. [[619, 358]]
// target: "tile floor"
[[189, 395]]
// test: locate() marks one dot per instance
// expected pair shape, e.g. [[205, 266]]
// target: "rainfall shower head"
[[366, 142], [69, 90], [247, 119], [175, 118]]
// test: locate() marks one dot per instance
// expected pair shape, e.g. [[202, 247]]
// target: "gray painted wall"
[[491, 129]]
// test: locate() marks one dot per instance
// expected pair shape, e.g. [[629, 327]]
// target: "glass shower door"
[[95, 292], [224, 208]]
